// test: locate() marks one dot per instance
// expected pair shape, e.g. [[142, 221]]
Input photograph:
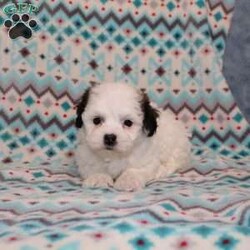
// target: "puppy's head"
[[114, 117]]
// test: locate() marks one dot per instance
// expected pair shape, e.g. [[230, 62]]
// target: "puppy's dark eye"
[[97, 120], [128, 123]]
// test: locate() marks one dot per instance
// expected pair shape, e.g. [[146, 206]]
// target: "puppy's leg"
[[179, 160], [98, 180], [132, 179]]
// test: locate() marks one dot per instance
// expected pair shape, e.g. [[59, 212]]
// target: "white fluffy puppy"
[[123, 141]]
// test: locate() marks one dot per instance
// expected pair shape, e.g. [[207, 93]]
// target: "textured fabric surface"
[[237, 56], [172, 50], [45, 207]]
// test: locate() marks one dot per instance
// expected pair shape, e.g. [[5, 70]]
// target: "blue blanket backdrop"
[[237, 56]]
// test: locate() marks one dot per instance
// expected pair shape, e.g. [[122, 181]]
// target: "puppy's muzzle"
[[110, 140]]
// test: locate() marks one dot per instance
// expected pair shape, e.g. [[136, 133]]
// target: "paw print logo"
[[20, 26]]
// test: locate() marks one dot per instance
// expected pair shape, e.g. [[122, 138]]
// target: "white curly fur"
[[136, 158]]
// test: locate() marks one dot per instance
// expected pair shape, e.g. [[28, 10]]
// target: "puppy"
[[124, 142]]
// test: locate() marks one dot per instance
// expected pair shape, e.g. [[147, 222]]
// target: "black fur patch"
[[150, 116], [81, 108]]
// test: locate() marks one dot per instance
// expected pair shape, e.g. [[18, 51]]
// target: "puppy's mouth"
[[109, 148]]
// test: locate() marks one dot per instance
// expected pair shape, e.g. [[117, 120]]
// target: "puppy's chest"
[[115, 167]]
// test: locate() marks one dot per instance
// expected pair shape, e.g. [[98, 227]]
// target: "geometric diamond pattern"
[[176, 60], [50, 188]]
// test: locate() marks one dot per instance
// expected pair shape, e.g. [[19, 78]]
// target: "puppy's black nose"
[[109, 139]]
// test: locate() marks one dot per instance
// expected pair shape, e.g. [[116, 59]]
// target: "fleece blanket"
[[50, 52]]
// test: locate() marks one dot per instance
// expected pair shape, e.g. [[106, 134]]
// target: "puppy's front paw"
[[98, 181], [128, 181]]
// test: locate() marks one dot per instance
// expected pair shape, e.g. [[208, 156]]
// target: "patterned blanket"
[[50, 52]]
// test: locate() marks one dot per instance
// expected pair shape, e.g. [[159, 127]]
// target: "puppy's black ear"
[[81, 108], [150, 116]]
